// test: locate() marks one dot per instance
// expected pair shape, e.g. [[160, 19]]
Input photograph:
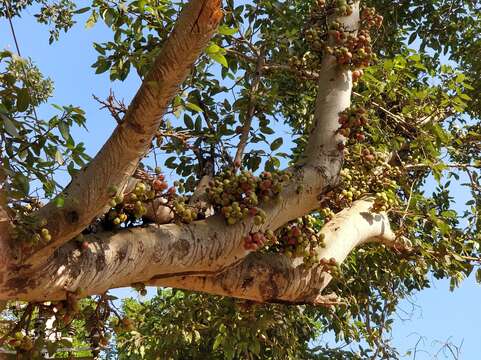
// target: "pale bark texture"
[[276, 278], [88, 194], [205, 255]]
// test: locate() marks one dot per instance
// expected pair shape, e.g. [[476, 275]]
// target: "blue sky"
[[438, 315]]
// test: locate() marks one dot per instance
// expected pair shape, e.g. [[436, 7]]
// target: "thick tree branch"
[[324, 147], [88, 193], [138, 254], [200, 248], [193, 257], [276, 278]]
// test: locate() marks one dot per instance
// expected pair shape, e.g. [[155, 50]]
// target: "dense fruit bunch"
[[350, 50], [330, 266], [183, 212], [237, 196], [29, 230], [135, 204], [370, 18], [352, 121], [342, 8], [255, 240], [300, 238], [363, 160], [131, 206]]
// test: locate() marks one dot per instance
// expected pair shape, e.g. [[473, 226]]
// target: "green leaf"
[[109, 17], [52, 347], [64, 130], [170, 162], [266, 130], [198, 124], [217, 341], [276, 144], [82, 10], [193, 107], [91, 20], [66, 342], [225, 30], [22, 183], [23, 100], [9, 126], [272, 164], [59, 158], [188, 122], [218, 57], [213, 49], [99, 48]]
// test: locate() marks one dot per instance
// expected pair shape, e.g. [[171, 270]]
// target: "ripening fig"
[[296, 231], [265, 184], [356, 74], [159, 185], [360, 137], [369, 157], [36, 238], [258, 238]]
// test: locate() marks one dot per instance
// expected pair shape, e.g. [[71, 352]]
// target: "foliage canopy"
[[412, 142]]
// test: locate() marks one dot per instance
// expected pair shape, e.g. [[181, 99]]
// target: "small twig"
[[250, 110], [224, 153], [114, 106], [302, 73], [272, 67], [447, 165]]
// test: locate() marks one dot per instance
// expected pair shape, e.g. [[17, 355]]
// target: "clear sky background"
[[437, 315]]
